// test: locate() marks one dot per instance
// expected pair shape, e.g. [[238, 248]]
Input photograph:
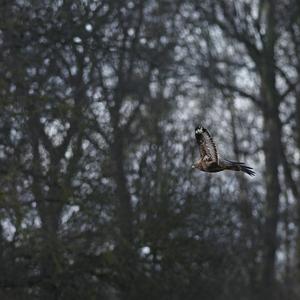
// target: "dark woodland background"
[[99, 100]]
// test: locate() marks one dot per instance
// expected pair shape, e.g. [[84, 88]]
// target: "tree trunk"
[[50, 260], [298, 147], [49, 206], [272, 201], [125, 249], [272, 138], [272, 158]]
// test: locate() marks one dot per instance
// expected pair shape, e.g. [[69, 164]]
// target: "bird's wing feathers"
[[208, 149]]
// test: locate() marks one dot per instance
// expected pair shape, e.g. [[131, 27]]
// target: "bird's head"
[[195, 165], [199, 130]]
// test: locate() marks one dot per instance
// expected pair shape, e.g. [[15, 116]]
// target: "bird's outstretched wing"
[[208, 149]]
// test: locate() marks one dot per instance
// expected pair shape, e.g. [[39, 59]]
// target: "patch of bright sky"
[[8, 229], [15, 135], [126, 110], [88, 27], [69, 212], [44, 157], [69, 152], [77, 40], [73, 70], [100, 111], [56, 130], [145, 251], [130, 32]]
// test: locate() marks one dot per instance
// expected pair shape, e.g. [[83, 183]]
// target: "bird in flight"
[[209, 159]]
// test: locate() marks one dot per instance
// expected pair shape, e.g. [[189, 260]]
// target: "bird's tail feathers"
[[239, 166]]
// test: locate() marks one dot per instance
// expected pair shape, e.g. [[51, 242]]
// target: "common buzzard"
[[209, 159]]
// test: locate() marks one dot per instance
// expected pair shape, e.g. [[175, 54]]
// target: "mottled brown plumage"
[[209, 159]]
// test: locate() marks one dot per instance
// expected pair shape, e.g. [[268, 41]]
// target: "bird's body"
[[210, 161]]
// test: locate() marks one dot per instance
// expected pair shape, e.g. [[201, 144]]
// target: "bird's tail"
[[239, 166]]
